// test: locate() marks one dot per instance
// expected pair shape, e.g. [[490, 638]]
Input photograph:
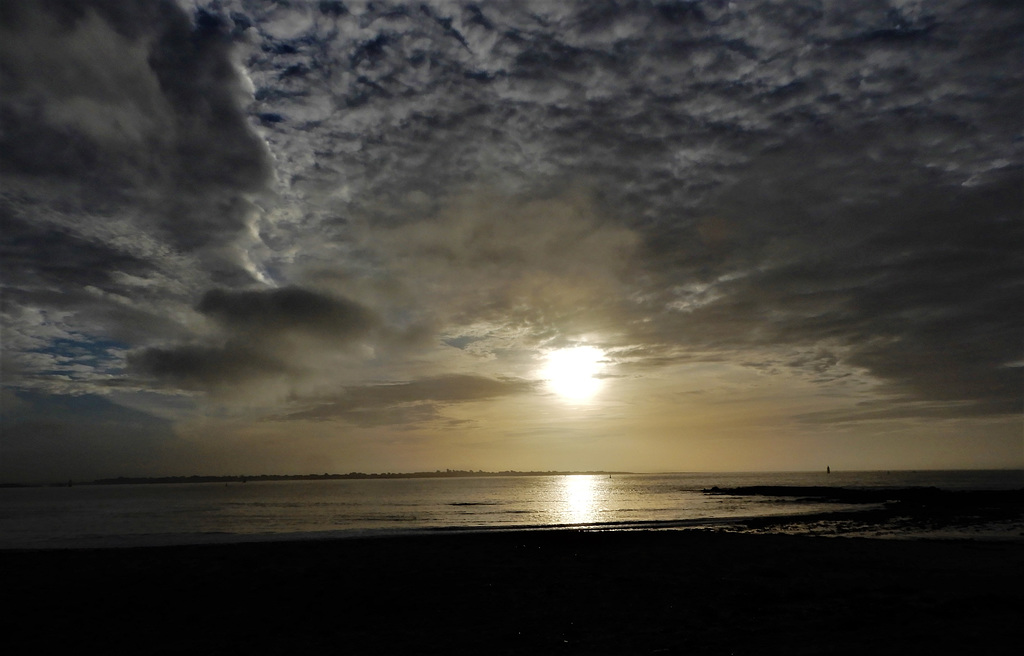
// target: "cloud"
[[131, 172], [920, 291], [121, 98], [277, 201], [264, 334], [542, 264], [35, 255], [408, 402], [206, 367], [680, 180], [129, 166], [287, 309]]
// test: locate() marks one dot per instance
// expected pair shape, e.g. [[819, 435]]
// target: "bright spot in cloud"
[[570, 372]]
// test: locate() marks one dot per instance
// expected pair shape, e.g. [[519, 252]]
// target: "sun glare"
[[571, 372]]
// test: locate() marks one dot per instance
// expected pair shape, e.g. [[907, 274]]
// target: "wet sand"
[[543, 592]]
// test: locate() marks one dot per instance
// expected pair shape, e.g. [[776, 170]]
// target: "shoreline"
[[525, 592], [872, 523], [894, 513]]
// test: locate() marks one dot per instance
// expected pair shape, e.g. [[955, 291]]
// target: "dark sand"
[[550, 592]]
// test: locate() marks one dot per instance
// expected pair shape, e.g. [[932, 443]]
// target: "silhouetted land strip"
[[557, 592], [920, 496], [448, 473], [898, 507]]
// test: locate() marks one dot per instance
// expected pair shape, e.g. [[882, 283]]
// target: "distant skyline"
[[248, 237]]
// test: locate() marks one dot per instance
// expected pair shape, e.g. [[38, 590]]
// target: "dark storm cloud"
[[254, 344], [125, 155], [204, 368], [409, 402], [149, 63], [129, 171], [288, 308]]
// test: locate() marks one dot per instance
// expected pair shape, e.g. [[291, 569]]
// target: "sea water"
[[188, 513]]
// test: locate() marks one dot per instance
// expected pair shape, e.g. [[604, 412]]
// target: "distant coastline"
[[446, 473]]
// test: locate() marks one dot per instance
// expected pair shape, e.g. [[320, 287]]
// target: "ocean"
[[127, 515]]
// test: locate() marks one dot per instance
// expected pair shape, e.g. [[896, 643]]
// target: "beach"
[[524, 592]]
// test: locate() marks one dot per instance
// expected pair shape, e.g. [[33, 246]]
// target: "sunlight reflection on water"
[[579, 499]]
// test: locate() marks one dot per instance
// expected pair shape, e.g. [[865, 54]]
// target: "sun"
[[571, 372]]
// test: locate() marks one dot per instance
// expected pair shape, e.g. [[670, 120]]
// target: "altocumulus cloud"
[[843, 176]]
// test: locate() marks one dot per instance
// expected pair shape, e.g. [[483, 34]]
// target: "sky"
[[247, 237]]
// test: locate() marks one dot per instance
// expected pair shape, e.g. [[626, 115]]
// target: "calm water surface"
[[131, 515]]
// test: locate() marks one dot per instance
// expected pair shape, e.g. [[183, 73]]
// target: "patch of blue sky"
[[78, 358]]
